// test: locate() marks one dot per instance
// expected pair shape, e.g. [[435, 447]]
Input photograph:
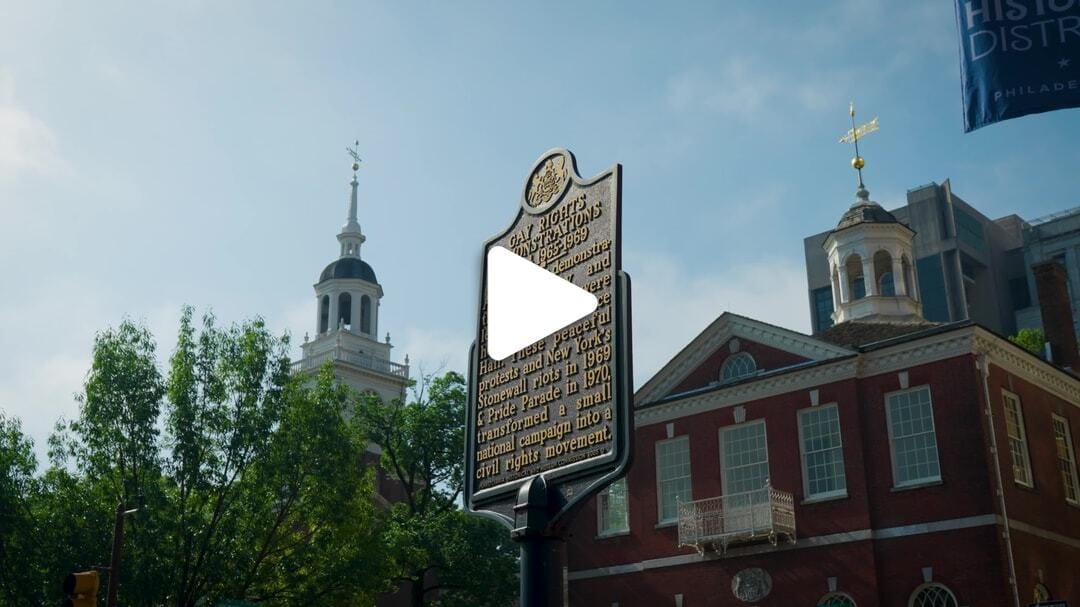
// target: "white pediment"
[[726, 326]]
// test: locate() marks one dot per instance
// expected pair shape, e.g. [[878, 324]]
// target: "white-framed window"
[[836, 599], [672, 477], [1066, 459], [822, 452], [744, 457], [932, 595], [737, 366], [612, 514], [1018, 447], [912, 438]]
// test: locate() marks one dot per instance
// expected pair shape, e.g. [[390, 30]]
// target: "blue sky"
[[154, 154]]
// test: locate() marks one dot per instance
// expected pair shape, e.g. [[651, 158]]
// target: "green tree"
[[108, 455], [249, 480], [18, 542], [226, 391], [1032, 340], [313, 541], [443, 555], [272, 501]]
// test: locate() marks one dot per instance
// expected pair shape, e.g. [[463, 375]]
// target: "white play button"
[[526, 303]]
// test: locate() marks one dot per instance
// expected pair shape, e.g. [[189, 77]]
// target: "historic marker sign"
[[558, 403]]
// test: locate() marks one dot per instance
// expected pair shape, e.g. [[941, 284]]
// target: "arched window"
[[856, 285], [909, 285], [932, 595], [736, 366], [883, 276], [885, 285], [365, 314], [836, 599], [324, 313], [344, 306]]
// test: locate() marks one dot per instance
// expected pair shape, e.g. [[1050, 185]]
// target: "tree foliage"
[[443, 556], [1032, 340], [251, 483], [248, 480], [18, 547]]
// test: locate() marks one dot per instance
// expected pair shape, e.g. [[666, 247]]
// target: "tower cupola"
[[870, 255], [348, 292], [347, 298]]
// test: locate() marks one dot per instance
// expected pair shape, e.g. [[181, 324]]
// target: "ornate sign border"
[[546, 185]]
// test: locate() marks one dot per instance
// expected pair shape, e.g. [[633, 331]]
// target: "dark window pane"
[[1018, 290], [823, 309], [932, 289], [858, 289]]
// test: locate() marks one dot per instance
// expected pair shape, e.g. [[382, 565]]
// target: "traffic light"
[[81, 588]]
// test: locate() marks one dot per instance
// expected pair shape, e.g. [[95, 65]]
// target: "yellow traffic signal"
[[81, 588]]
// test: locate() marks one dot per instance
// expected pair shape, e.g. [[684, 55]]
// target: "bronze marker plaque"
[[560, 406]]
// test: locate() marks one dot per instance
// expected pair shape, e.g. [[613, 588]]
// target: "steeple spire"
[[351, 237], [852, 136]]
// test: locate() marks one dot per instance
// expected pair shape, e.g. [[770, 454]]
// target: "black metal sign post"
[[550, 424]]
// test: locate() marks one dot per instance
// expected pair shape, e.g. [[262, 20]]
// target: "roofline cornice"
[[870, 226], [1014, 359], [967, 340], [747, 391], [722, 329]]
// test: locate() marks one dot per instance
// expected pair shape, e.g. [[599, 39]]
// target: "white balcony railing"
[[765, 514], [366, 361]]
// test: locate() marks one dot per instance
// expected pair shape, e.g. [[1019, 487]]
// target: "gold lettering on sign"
[[602, 435], [550, 404]]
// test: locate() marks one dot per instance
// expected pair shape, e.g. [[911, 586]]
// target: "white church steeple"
[[347, 299]]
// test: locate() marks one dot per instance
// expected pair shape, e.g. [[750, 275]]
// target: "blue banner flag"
[[1017, 57]]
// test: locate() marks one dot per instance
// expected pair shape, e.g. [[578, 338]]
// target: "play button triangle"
[[526, 303]]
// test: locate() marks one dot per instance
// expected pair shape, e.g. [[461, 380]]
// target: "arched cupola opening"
[[365, 315], [856, 281], [909, 277], [834, 280], [324, 314], [883, 274], [345, 310]]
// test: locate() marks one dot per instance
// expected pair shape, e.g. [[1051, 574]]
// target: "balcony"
[[366, 361], [715, 523]]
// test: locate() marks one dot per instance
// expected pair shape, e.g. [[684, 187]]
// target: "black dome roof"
[[349, 267], [865, 211]]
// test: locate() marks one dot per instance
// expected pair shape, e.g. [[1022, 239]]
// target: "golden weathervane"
[[853, 135], [353, 151]]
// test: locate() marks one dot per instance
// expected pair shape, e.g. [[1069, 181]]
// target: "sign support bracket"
[[540, 551]]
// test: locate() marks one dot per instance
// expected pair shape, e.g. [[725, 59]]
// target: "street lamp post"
[[117, 549]]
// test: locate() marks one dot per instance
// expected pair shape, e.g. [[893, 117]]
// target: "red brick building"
[[889, 461]]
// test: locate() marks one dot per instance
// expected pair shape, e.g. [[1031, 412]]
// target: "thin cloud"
[[433, 350], [756, 86], [671, 306], [27, 144], [739, 88], [40, 392]]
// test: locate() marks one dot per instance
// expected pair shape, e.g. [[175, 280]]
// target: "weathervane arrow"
[[853, 135], [860, 131]]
